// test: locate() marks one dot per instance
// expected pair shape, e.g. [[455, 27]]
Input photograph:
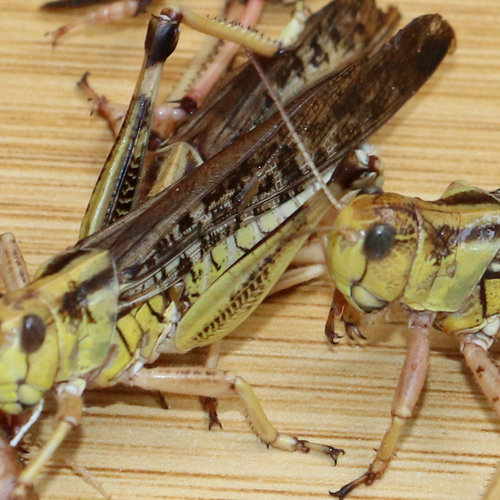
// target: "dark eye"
[[379, 241], [32, 333], [371, 189]]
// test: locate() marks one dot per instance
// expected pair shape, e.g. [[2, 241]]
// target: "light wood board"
[[51, 151]]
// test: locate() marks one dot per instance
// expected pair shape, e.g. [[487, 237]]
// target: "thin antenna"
[[296, 137]]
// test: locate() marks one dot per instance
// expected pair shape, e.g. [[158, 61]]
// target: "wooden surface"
[[50, 153]]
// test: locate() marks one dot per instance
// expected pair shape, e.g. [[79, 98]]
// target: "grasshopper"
[[102, 287], [207, 133], [439, 260]]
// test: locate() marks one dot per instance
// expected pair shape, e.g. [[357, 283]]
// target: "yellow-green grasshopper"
[[360, 28], [97, 313], [439, 260]]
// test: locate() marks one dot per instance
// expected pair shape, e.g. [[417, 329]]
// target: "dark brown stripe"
[[482, 297], [70, 4], [468, 198], [124, 340], [61, 261], [126, 183], [98, 281], [491, 275], [157, 316]]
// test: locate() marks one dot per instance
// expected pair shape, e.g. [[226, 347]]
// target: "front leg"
[[70, 408], [411, 382], [199, 381]]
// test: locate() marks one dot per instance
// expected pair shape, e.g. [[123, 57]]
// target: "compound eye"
[[379, 241], [32, 333]]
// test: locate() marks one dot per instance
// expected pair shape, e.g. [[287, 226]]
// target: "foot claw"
[[210, 406], [307, 446], [367, 478], [334, 453]]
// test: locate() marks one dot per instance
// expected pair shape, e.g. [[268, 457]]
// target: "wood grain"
[[51, 151]]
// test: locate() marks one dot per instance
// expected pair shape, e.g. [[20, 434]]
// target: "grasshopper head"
[[58, 328], [28, 350], [371, 249]]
